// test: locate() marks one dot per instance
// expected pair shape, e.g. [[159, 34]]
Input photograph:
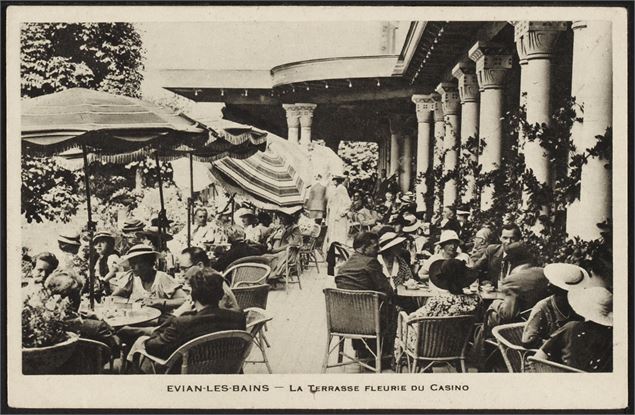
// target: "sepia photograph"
[[317, 207]]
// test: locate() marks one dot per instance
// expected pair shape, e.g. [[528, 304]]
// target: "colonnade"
[[472, 105]]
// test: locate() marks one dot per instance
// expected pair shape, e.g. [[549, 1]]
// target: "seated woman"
[[553, 312], [391, 257], [150, 236], [253, 234], [480, 242], [286, 235], [448, 246], [586, 345], [67, 284], [204, 317], [449, 277], [144, 283], [105, 259]]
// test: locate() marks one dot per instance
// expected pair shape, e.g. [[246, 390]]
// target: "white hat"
[[244, 212], [70, 238], [448, 235], [139, 250], [411, 223], [593, 303], [388, 240], [566, 276]]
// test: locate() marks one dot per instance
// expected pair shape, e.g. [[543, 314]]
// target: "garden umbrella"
[[115, 128]]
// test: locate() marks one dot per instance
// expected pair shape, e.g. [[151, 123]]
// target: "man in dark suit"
[[205, 317], [490, 264], [363, 271], [239, 249]]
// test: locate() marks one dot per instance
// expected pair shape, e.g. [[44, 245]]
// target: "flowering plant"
[[45, 319]]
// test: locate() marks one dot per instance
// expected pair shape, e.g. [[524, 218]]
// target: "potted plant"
[[47, 338]]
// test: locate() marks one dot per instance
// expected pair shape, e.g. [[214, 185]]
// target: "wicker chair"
[[90, 355], [535, 365], [437, 340], [252, 296], [247, 274], [353, 315], [292, 268], [308, 250], [508, 337], [256, 320], [223, 352]]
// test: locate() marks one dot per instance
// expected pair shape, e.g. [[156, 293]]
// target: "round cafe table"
[[123, 314], [422, 293]]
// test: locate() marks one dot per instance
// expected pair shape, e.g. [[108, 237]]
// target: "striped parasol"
[[266, 179]]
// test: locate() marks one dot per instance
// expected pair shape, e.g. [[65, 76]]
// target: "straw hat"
[[131, 226], [447, 236], [70, 238], [103, 235], [388, 240], [153, 232], [245, 212], [593, 303], [451, 273], [566, 276], [462, 213], [411, 223], [408, 197], [139, 250]]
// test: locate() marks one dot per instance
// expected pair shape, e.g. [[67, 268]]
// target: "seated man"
[[193, 260], [362, 271], [585, 345], [44, 264], [68, 285], [240, 248], [491, 262], [205, 317]]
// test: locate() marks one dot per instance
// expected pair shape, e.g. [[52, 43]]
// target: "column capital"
[[293, 115], [465, 73], [492, 63], [536, 40], [439, 115], [424, 106], [449, 97], [305, 112]]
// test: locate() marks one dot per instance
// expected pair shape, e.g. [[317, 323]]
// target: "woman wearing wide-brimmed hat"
[[586, 345], [249, 221], [553, 312], [106, 259], [150, 236], [448, 245], [394, 265]]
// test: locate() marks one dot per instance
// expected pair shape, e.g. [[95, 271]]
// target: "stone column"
[[293, 122], [535, 42], [396, 134], [437, 159], [306, 120], [406, 164], [424, 107], [595, 188], [451, 105], [464, 72], [492, 64], [382, 155]]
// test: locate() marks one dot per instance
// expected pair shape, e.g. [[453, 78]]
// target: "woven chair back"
[[88, 358], [252, 296], [509, 338], [535, 365], [256, 320], [223, 352], [442, 337], [353, 312], [247, 274]]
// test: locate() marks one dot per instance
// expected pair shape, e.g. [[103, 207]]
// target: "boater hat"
[[566, 276], [70, 238], [593, 303], [139, 250], [103, 235], [411, 223], [131, 226], [244, 212], [388, 240], [447, 236]]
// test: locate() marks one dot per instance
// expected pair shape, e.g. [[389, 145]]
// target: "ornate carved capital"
[[465, 73], [536, 40], [449, 98], [293, 115], [492, 63], [305, 112], [424, 105]]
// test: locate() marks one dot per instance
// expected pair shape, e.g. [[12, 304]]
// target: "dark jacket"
[[490, 263], [179, 330], [521, 290], [362, 272], [238, 250]]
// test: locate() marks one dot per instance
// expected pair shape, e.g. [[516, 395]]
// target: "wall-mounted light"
[[222, 92], [196, 92], [326, 85], [246, 92], [378, 83], [350, 84]]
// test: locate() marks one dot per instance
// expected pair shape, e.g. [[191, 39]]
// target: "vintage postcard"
[[317, 207]]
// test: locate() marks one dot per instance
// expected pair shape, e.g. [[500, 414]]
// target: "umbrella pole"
[[190, 203], [162, 216], [91, 270]]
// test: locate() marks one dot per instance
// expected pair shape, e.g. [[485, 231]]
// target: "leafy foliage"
[[45, 319], [360, 158], [102, 56], [48, 191]]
